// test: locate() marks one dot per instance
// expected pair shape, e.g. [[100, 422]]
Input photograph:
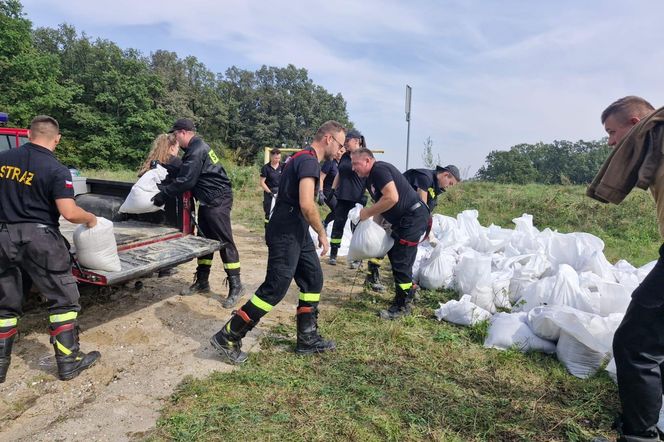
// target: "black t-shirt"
[[383, 173], [350, 187], [31, 179], [272, 175], [330, 168], [425, 179], [303, 164]]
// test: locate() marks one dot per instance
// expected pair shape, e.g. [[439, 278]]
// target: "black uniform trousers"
[[331, 202], [267, 203], [291, 255], [407, 234], [340, 217], [215, 223], [41, 252], [638, 346]]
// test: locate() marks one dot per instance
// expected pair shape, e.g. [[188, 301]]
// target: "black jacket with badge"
[[425, 179], [201, 172]]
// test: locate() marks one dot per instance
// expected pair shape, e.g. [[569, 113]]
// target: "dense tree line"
[[560, 162], [111, 102]]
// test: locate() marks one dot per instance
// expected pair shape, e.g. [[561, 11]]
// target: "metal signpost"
[[408, 95]]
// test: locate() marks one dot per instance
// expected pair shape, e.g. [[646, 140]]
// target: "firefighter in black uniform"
[[397, 202], [428, 184], [35, 189], [291, 252], [328, 172], [349, 190], [269, 181], [202, 172]]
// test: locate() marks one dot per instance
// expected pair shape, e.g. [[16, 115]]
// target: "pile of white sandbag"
[[544, 291]]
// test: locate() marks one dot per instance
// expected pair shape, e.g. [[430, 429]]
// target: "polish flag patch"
[[69, 185]]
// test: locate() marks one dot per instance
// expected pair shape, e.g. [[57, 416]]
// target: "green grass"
[[417, 379], [414, 379]]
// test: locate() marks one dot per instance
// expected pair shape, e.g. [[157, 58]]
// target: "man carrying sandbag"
[[637, 134], [428, 183], [397, 202], [202, 173], [291, 253], [35, 189]]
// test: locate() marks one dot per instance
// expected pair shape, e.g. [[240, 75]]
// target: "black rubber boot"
[[372, 280], [228, 340], [71, 361], [200, 285], [7, 336], [333, 255], [235, 291], [308, 339], [402, 305]]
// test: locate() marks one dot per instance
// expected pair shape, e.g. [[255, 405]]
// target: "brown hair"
[[628, 107], [328, 128], [44, 126], [275, 151], [363, 151], [159, 151]]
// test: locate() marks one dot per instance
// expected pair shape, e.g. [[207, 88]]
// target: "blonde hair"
[[160, 151]]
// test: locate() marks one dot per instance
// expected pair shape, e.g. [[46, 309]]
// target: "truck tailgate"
[[146, 259]]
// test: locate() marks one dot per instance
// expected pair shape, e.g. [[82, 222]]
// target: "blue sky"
[[486, 75]]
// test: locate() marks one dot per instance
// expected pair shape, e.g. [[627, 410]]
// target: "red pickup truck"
[[146, 243]]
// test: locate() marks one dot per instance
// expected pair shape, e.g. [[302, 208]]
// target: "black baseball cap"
[[452, 169], [183, 124], [353, 133]]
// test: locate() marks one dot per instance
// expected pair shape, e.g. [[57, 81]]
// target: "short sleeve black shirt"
[[350, 186], [330, 168], [31, 179], [303, 164], [272, 175], [383, 173], [425, 179]]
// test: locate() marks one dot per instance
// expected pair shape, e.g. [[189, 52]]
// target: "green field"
[[417, 379]]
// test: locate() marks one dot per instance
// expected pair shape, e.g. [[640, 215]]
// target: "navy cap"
[[353, 133], [452, 169], [183, 124]]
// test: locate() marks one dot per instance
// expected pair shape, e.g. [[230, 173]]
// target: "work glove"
[[321, 198], [159, 199]]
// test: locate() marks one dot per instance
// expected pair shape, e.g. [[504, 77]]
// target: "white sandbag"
[[580, 360], [437, 271], [599, 265], [140, 196], [462, 312], [423, 252], [500, 284], [612, 370], [545, 321], [613, 297], [96, 248], [369, 240], [561, 289], [625, 273], [445, 231], [473, 276], [509, 330]]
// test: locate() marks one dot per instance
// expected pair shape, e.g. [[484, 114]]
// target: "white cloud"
[[485, 75]]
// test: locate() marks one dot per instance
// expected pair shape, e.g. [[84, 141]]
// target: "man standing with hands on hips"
[[291, 252], [396, 201]]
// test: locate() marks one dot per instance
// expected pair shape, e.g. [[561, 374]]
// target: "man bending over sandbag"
[[202, 173], [35, 189], [428, 183], [637, 134], [397, 202]]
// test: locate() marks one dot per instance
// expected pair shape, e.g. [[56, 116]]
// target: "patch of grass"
[[412, 379]]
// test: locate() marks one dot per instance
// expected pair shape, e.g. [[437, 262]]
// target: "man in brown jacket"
[[638, 345]]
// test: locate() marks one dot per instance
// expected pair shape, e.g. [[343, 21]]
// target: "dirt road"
[[150, 340]]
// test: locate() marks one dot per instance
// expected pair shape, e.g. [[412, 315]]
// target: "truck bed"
[[145, 248]]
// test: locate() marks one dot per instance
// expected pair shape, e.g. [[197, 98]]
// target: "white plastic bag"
[[369, 240], [473, 277], [509, 330], [462, 312], [437, 270], [140, 196], [579, 359], [96, 248]]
